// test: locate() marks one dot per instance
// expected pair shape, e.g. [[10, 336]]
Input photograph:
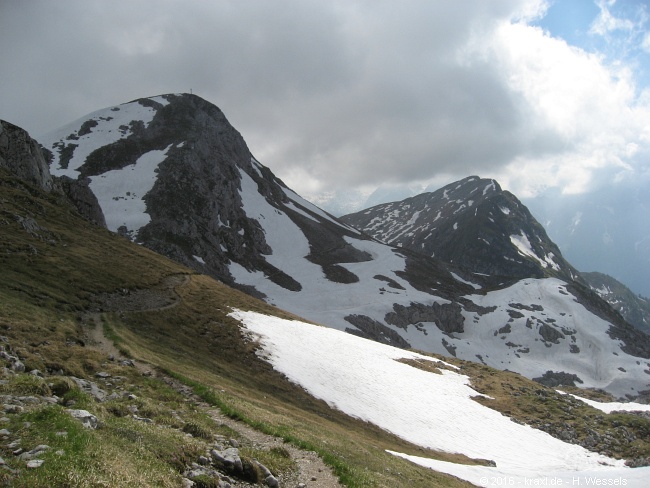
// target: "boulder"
[[87, 419]]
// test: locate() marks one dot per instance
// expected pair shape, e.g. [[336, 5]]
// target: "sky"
[[342, 94]]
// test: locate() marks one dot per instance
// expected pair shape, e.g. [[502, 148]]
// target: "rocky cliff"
[[25, 158], [22, 156]]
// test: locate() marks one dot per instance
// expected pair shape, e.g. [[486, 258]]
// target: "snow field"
[[107, 131], [320, 299], [363, 379], [120, 192], [327, 302]]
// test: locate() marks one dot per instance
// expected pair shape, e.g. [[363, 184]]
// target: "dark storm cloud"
[[344, 93]]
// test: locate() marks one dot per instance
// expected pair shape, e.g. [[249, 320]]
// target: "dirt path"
[[311, 470]]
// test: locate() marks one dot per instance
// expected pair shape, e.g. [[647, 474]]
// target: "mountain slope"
[[64, 277], [59, 274], [634, 308], [171, 173], [472, 222]]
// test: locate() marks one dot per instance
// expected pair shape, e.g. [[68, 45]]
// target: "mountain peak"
[[472, 223]]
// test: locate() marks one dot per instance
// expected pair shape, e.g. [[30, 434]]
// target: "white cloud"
[[606, 22], [591, 107], [645, 43]]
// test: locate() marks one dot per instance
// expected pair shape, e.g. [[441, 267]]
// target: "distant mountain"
[[634, 308], [171, 173], [472, 223]]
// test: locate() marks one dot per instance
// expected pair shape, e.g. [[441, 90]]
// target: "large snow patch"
[[364, 379]]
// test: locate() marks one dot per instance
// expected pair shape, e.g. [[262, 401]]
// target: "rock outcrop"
[[22, 156], [25, 158]]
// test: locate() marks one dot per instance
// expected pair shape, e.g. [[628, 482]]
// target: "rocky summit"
[[473, 223], [464, 271]]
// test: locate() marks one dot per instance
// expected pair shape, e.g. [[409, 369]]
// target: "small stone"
[[4, 432], [18, 366], [102, 374], [143, 419], [271, 481], [233, 442], [87, 419], [313, 478], [265, 471], [35, 463]]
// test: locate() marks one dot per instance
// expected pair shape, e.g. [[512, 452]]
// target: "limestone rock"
[[87, 419], [22, 156]]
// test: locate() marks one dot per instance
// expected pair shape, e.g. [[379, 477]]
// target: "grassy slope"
[[53, 264], [50, 273]]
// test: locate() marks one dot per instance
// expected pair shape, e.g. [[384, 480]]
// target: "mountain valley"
[[212, 271]]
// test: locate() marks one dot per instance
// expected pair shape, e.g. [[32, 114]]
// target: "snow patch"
[[121, 192], [473, 285], [609, 407], [113, 124], [364, 379]]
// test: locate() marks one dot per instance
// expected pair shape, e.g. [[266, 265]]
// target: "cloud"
[[343, 94], [606, 22], [592, 111]]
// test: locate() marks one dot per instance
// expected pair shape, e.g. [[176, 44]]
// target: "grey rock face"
[[82, 198], [85, 417], [26, 159], [22, 156], [447, 317], [372, 329]]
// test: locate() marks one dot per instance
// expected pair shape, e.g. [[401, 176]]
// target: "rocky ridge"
[[24, 157], [473, 223], [635, 309]]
